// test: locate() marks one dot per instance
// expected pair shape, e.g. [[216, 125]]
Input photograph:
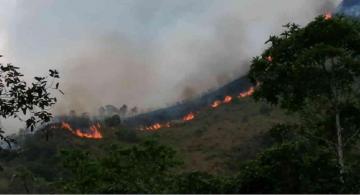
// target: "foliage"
[[25, 176], [265, 109], [309, 63], [292, 164], [146, 168], [18, 97], [202, 183], [315, 71], [128, 135]]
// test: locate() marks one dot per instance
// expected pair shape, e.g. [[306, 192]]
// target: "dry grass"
[[211, 140]]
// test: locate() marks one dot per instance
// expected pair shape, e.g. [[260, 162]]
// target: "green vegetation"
[[314, 71], [18, 97], [300, 135]]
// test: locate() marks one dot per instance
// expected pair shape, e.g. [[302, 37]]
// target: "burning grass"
[[190, 116], [93, 132]]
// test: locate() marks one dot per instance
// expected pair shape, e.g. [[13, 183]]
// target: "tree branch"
[[352, 137]]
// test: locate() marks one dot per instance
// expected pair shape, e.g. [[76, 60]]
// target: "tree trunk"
[[340, 152]]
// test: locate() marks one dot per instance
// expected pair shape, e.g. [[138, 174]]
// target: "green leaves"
[[308, 62], [314, 72], [34, 99], [145, 168]]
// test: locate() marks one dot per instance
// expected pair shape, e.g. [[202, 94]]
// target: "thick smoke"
[[155, 52]]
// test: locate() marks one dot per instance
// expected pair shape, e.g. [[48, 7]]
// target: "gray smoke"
[[147, 53]]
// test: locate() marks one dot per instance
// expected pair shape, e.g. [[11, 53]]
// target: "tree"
[[123, 110], [102, 111], [293, 164], [134, 111], [25, 176], [113, 121], [18, 97], [314, 71]]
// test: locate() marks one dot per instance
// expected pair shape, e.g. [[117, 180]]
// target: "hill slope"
[[217, 139]]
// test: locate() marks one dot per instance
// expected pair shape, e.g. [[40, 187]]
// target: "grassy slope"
[[218, 136]]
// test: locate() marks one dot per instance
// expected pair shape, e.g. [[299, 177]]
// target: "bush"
[[144, 168], [127, 135], [202, 183], [265, 109]]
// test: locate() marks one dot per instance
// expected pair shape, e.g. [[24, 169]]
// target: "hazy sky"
[[142, 52]]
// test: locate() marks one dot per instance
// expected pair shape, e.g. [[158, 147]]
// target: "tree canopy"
[[314, 71], [32, 100]]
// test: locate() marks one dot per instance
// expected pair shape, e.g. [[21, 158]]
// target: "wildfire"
[[216, 104], [269, 58], [189, 117], [227, 99], [93, 134], [153, 127], [327, 15], [67, 126], [157, 126], [247, 93]]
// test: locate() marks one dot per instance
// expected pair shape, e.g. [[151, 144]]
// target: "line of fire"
[[93, 130]]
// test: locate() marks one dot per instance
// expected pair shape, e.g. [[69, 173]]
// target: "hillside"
[[217, 139], [233, 88]]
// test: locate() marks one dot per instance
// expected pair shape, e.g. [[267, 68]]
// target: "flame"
[[93, 134], [66, 125], [328, 15], [189, 117], [216, 103], [227, 99], [247, 93], [157, 126], [153, 127], [269, 58]]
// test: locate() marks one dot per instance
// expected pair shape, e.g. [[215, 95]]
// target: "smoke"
[[148, 53]]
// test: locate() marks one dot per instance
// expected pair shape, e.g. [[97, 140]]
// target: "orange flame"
[[247, 93], [327, 15], [67, 126], [157, 126], [216, 103], [189, 117], [227, 99], [154, 127], [93, 134]]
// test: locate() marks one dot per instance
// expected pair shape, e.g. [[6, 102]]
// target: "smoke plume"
[[146, 53]]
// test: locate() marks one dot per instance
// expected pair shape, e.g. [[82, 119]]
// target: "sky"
[[145, 53]]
